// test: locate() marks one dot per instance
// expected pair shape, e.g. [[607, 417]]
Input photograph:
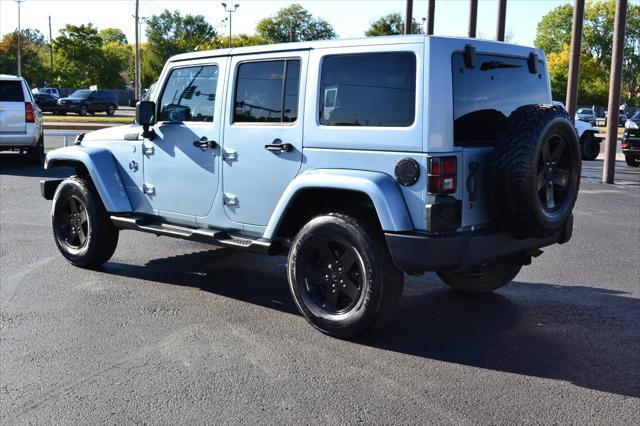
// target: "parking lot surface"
[[174, 332]]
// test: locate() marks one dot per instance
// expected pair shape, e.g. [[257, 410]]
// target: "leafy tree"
[[237, 40], [83, 58], [554, 34], [294, 23], [391, 24], [113, 35], [33, 52], [169, 34]]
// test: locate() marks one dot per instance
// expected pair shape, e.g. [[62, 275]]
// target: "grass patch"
[[86, 119]]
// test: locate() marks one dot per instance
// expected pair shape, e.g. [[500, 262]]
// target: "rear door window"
[[267, 92], [11, 91], [369, 89]]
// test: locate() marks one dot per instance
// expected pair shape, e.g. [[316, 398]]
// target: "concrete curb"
[[79, 126]]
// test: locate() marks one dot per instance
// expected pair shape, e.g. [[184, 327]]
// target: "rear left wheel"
[[111, 110], [590, 148], [341, 276], [35, 154], [82, 229]]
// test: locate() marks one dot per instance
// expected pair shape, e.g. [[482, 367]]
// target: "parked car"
[[622, 118], [48, 103], [20, 119], [631, 141], [586, 115], [84, 101], [49, 90], [587, 135], [332, 153]]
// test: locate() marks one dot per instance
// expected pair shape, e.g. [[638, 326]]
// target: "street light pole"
[[574, 60], [138, 82], [408, 17], [19, 34], [230, 11]]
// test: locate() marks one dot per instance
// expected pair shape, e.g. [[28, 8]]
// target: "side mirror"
[[146, 117]]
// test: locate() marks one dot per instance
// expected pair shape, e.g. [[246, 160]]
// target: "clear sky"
[[350, 18]]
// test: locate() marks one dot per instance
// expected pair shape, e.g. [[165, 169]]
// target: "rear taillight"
[[442, 175], [625, 145], [29, 113]]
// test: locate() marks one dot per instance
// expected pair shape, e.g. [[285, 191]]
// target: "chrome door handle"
[[278, 146], [205, 143]]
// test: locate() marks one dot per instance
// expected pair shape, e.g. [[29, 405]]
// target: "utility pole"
[[230, 11], [473, 17], [615, 89], [431, 16], [138, 80], [408, 17], [502, 17], [574, 59], [50, 53], [19, 36]]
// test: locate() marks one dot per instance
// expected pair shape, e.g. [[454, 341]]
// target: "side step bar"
[[202, 235]]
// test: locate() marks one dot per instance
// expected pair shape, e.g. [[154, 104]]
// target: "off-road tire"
[[101, 236], [517, 171], [35, 154], [590, 147], [632, 160], [379, 285], [484, 279]]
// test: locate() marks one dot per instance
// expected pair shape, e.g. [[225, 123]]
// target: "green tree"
[[391, 24], [294, 23], [35, 60], [83, 58], [169, 34], [554, 34], [113, 35]]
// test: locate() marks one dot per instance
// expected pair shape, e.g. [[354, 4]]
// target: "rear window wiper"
[[492, 65]]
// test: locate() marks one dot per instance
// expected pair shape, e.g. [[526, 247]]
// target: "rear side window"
[[484, 96], [190, 94], [11, 91], [267, 92], [370, 89]]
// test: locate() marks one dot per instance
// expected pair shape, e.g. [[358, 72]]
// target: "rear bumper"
[[415, 252], [19, 139]]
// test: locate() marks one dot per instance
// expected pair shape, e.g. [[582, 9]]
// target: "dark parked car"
[[84, 101], [586, 114], [47, 102], [631, 141]]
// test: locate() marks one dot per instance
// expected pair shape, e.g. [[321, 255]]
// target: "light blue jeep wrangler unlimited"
[[359, 159]]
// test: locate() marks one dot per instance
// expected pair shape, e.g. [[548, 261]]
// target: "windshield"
[[80, 94], [585, 111], [636, 116]]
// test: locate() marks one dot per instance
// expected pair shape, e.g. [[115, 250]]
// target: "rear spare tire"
[[536, 171]]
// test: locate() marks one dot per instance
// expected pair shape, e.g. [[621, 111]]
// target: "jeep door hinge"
[[148, 189], [147, 149], [229, 154], [229, 199]]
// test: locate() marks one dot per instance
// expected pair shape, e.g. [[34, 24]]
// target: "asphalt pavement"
[[174, 332]]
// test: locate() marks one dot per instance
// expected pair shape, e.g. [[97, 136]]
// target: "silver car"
[[586, 114], [20, 119]]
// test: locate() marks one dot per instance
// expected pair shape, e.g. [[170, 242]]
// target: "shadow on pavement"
[[583, 335], [13, 164]]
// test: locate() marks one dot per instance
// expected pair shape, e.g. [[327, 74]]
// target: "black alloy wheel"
[[73, 223], [554, 173], [333, 275]]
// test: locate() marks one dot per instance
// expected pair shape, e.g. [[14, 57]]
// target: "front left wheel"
[[82, 229], [342, 277]]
